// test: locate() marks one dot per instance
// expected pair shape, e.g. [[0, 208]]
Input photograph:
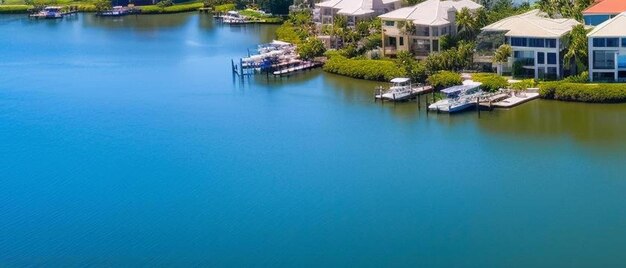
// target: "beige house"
[[418, 28], [354, 10]]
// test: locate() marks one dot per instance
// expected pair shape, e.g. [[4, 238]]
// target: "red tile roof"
[[607, 7]]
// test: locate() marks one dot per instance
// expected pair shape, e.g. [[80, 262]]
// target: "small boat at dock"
[[233, 17], [458, 98], [401, 89], [49, 12], [117, 11]]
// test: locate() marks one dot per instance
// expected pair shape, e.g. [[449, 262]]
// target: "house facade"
[[607, 50], [418, 29], [537, 42], [602, 11], [353, 10]]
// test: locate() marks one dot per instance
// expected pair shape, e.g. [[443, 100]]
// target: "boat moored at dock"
[[458, 98], [118, 11], [49, 12], [401, 89]]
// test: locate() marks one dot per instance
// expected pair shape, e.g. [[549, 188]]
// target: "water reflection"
[[587, 123], [138, 22]]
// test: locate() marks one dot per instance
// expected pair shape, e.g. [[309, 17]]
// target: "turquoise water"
[[127, 142]]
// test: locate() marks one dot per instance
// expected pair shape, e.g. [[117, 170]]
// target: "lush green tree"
[[102, 5], [577, 48], [502, 55], [466, 24], [311, 48], [444, 79], [275, 6], [414, 69]]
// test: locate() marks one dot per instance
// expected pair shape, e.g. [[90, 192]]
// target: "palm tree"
[[502, 55], [466, 24], [577, 48]]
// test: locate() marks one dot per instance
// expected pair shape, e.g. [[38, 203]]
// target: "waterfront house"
[[537, 42], [607, 50], [602, 11], [354, 10], [419, 28]]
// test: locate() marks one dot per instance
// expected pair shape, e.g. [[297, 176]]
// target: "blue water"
[[128, 143]]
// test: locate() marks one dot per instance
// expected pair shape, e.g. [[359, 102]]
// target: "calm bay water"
[[127, 142]]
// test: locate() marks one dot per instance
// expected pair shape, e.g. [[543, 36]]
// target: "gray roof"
[[533, 24], [430, 12]]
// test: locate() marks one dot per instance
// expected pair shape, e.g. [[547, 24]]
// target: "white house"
[[537, 41], [354, 10], [607, 50], [429, 21]]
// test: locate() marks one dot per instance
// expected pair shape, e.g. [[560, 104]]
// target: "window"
[[603, 59], [621, 61], [390, 23], [599, 42], [536, 42], [541, 58], [401, 41], [612, 42], [518, 42], [551, 58], [551, 43], [527, 58], [623, 42], [435, 45], [604, 77]]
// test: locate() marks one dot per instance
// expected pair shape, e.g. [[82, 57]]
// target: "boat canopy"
[[460, 88], [400, 80], [52, 8], [280, 43]]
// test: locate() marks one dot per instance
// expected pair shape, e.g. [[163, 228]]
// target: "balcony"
[[391, 50]]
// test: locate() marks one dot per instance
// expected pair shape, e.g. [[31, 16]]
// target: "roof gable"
[[610, 28]]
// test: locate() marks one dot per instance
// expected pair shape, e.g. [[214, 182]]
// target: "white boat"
[[50, 12], [233, 17], [402, 89], [458, 98]]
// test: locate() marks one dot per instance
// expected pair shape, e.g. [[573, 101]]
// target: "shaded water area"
[[127, 142]]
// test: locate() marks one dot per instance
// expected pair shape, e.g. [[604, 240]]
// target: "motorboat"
[[400, 90], [458, 98], [116, 11], [49, 12]]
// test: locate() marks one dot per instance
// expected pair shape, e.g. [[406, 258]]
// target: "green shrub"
[[311, 48], [596, 93], [444, 79], [225, 7], [379, 70], [14, 9], [491, 82], [165, 3], [523, 85], [155, 9], [579, 78]]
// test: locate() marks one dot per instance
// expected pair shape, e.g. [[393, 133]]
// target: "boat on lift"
[[458, 98]]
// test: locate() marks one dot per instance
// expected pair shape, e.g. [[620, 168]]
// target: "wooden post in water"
[[478, 106], [418, 102]]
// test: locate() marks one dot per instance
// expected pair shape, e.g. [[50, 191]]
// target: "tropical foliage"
[[444, 79], [597, 93], [577, 49], [490, 82], [379, 70]]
